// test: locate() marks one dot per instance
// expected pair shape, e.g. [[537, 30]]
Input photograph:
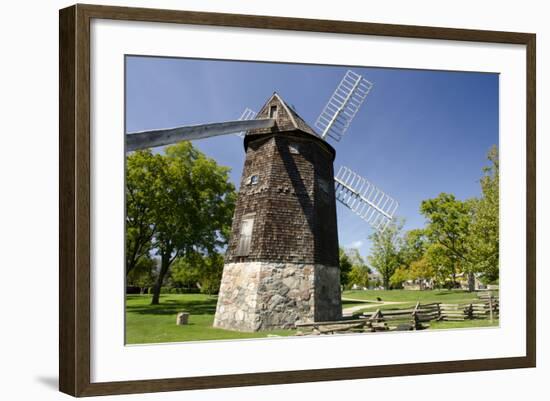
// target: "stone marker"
[[182, 318]]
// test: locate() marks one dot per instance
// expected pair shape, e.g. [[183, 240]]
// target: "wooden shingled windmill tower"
[[282, 262]]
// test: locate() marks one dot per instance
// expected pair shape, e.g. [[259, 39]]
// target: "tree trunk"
[[164, 265], [455, 269], [130, 264], [471, 282], [131, 260]]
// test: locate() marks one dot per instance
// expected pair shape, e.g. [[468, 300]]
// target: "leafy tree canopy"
[[202, 271], [385, 254], [357, 270], [186, 201], [345, 267], [483, 242]]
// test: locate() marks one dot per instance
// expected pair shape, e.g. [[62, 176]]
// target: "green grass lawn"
[[407, 305], [465, 324], [349, 304], [146, 323], [445, 296]]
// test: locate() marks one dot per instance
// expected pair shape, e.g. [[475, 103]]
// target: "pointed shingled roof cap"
[[286, 120], [286, 117]]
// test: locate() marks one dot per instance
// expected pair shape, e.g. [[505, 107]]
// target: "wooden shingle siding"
[[293, 202]]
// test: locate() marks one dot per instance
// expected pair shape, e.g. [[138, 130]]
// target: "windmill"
[[281, 264]]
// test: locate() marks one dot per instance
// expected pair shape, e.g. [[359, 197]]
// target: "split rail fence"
[[415, 318]]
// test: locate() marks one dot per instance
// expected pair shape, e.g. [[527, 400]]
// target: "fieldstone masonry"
[[262, 296], [281, 264]]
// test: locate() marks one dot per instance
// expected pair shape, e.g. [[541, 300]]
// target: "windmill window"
[[294, 148], [245, 238], [273, 112], [324, 185], [253, 180]]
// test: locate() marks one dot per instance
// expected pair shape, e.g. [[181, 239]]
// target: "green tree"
[[385, 252], [194, 210], [359, 272], [142, 185], [421, 269], [185, 271], [143, 274], [449, 226], [415, 243], [189, 201], [359, 275], [484, 239], [399, 276], [442, 264], [345, 267], [212, 272], [202, 271]]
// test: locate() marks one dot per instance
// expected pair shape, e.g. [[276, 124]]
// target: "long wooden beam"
[[167, 136]]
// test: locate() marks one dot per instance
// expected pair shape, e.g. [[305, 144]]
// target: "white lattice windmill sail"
[[342, 106], [364, 199], [247, 115]]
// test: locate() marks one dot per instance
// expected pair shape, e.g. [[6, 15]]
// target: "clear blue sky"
[[418, 133]]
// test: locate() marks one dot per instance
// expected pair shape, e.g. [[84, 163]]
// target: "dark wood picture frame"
[[74, 203]]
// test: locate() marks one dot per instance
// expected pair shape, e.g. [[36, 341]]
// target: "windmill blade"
[[247, 115], [364, 199], [342, 106], [151, 139]]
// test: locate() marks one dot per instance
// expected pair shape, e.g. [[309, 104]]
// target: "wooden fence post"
[[491, 307], [414, 316]]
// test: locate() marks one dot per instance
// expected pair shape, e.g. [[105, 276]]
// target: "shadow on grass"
[[171, 307]]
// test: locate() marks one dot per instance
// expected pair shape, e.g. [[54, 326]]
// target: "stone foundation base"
[[263, 296]]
